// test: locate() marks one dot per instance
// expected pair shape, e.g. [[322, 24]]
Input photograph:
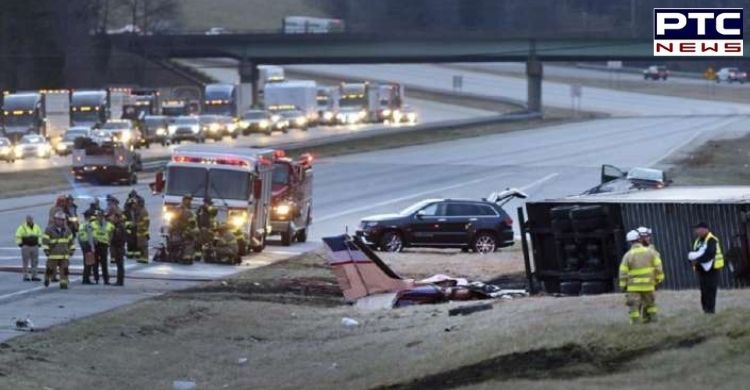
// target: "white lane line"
[[37, 288], [676, 148], [540, 181], [405, 197]]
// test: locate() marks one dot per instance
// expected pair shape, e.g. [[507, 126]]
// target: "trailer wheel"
[[286, 238], [570, 287]]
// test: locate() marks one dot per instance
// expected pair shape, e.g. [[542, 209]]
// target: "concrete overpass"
[[253, 49]]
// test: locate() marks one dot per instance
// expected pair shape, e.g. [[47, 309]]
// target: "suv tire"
[[391, 241]]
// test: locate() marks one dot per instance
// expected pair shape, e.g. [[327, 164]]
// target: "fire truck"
[[238, 181], [291, 212]]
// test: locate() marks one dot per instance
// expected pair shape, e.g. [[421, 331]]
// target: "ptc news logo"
[[698, 32]]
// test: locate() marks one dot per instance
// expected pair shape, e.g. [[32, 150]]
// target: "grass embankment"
[[280, 327], [720, 162]]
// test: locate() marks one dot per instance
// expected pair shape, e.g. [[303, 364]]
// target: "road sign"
[[458, 82], [710, 73]]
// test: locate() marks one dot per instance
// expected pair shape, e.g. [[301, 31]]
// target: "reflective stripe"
[[652, 310], [623, 267], [641, 288], [57, 257], [641, 271], [641, 280], [635, 314]]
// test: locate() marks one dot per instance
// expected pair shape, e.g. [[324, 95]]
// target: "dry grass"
[[292, 338], [244, 15], [19, 183], [722, 162]]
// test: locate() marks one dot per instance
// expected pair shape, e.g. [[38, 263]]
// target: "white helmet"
[[644, 231], [632, 236]]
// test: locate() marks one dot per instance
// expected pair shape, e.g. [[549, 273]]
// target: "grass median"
[[716, 162]]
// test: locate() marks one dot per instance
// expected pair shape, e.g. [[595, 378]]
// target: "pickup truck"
[[105, 162]]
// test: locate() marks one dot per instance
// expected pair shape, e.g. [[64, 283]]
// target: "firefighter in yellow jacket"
[[640, 272], [137, 225], [59, 245]]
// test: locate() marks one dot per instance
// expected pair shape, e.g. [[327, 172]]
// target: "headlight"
[[244, 124], [214, 127], [412, 116], [328, 115], [263, 124], [41, 151], [61, 147], [362, 114], [196, 129], [386, 112], [4, 150], [282, 210], [126, 136], [168, 216], [340, 117], [231, 127], [275, 117], [238, 220], [172, 129], [300, 120], [18, 150], [161, 131]]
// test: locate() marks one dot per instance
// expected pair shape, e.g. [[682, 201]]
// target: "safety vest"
[[102, 234], [641, 269], [28, 235], [719, 257]]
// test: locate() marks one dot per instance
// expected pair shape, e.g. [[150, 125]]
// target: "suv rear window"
[[463, 209]]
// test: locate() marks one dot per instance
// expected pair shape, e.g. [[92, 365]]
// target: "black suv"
[[482, 226]]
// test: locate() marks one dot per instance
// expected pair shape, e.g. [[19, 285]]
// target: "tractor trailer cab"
[[89, 108], [291, 214], [23, 113]]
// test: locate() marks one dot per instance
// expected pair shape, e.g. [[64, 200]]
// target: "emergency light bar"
[[211, 161], [282, 107]]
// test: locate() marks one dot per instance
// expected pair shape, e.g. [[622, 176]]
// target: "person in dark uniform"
[[707, 259]]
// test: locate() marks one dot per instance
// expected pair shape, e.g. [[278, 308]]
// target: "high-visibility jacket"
[[102, 233], [58, 243], [28, 235], [718, 257], [641, 269]]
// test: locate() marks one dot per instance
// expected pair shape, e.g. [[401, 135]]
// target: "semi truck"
[[238, 181], [385, 100], [23, 113], [105, 161], [354, 103], [327, 99], [220, 99], [89, 108], [293, 95]]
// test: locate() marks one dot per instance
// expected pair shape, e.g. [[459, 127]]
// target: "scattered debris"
[[24, 325], [224, 283], [349, 322], [242, 360], [469, 309]]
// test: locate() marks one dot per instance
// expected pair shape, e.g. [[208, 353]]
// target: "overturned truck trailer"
[[577, 242]]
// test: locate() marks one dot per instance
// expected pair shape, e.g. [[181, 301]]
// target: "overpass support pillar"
[[534, 84], [248, 85]]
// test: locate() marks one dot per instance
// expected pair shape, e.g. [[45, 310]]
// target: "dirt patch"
[[720, 162]]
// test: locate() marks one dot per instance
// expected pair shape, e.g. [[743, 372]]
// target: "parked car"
[[656, 72], [32, 145], [6, 150], [731, 75], [479, 225], [155, 128], [614, 179], [257, 121], [65, 146], [186, 128]]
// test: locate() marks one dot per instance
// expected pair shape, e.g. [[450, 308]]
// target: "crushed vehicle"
[[479, 225], [614, 179], [102, 159], [237, 180], [291, 204], [365, 279]]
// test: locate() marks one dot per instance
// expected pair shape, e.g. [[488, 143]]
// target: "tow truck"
[[106, 160], [291, 212], [238, 180]]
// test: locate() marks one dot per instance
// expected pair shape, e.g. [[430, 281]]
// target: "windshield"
[[209, 119], [218, 93], [19, 120], [416, 207], [72, 135], [186, 180], [85, 116], [116, 125], [154, 122], [290, 114], [186, 121], [280, 174], [221, 184], [32, 140], [255, 115], [227, 184], [351, 102]]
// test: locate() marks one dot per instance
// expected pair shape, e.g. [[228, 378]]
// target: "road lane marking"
[[540, 181], [405, 197]]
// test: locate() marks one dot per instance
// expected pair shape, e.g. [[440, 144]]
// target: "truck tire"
[[594, 287], [286, 238], [587, 212], [551, 286], [570, 287], [302, 235]]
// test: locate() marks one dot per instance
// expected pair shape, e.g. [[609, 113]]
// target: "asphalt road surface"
[[546, 162], [616, 103]]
